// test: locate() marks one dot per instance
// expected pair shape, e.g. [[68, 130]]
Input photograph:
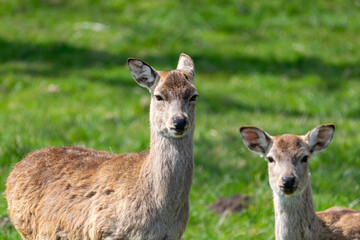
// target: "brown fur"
[[79, 193], [295, 216], [342, 220]]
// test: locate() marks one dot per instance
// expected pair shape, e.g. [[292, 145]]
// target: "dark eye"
[[305, 159], [193, 98], [159, 98], [270, 159]]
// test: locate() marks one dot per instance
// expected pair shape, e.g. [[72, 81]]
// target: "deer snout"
[[288, 184], [180, 123]]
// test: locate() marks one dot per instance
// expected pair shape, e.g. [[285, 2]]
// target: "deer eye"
[[270, 159], [159, 98], [304, 159], [193, 98]]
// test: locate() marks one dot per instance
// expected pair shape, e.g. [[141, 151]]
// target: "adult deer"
[[79, 193], [289, 178]]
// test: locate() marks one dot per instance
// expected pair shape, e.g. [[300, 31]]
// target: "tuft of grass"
[[284, 66]]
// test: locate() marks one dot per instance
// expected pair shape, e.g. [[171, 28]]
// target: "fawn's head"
[[173, 95], [287, 155]]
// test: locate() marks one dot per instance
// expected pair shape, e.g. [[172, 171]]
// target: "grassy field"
[[285, 66]]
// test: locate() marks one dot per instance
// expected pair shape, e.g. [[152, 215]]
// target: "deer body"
[[289, 177], [79, 193]]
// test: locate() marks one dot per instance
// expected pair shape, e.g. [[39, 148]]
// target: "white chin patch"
[[172, 134]]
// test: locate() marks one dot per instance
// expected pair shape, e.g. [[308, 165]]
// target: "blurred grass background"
[[285, 66]]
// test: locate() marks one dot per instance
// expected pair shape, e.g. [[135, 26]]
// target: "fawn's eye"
[[159, 98], [193, 98], [270, 159], [304, 159]]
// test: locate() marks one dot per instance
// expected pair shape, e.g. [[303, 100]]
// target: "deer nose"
[[179, 123], [288, 182]]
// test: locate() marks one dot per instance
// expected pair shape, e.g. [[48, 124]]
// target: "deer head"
[[287, 155], [173, 95]]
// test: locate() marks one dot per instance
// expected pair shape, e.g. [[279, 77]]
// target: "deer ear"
[[142, 72], [320, 137], [186, 63], [255, 139]]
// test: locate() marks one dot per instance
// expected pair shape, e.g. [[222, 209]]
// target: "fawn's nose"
[[179, 123], [288, 182]]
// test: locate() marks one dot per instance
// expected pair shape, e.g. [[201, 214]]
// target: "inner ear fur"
[[320, 137], [143, 73], [255, 139], [186, 63]]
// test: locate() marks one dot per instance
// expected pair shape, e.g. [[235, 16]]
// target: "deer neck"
[[295, 217], [169, 169]]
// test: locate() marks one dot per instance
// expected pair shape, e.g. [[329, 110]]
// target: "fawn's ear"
[[320, 137], [255, 139], [142, 72], [186, 63]]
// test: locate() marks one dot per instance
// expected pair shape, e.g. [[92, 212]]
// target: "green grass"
[[284, 66]]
